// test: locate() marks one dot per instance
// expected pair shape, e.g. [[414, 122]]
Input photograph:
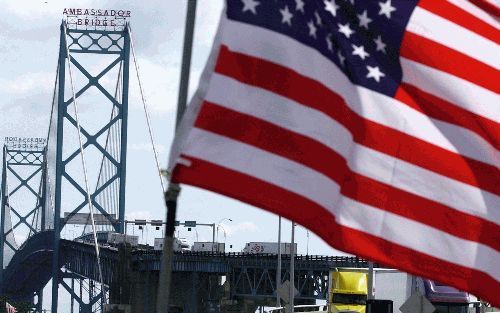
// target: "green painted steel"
[[81, 43]]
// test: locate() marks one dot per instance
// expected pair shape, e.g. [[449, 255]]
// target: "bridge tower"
[[23, 208], [93, 77]]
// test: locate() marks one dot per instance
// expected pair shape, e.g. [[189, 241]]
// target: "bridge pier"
[[185, 292], [192, 292]]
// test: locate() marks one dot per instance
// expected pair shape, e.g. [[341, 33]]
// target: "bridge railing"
[[337, 259]]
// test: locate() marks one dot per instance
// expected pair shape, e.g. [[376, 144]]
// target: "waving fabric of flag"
[[373, 123]]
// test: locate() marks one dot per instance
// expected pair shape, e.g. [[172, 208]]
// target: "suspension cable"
[[38, 207], [53, 102], [56, 82], [116, 145], [7, 192], [105, 165], [146, 111], [51, 200], [84, 165]]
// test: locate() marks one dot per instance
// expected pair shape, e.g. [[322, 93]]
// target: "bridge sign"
[[417, 303], [102, 19], [25, 143]]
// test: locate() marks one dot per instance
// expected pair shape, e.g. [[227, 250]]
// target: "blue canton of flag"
[[354, 34]]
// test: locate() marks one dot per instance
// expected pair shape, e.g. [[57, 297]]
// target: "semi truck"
[[348, 291], [268, 248], [117, 238], [209, 246], [446, 299], [180, 244]]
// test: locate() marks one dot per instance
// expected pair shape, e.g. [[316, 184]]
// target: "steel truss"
[[16, 163], [86, 293], [80, 43]]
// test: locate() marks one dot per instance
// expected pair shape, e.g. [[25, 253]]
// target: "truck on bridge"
[[268, 248], [180, 244]]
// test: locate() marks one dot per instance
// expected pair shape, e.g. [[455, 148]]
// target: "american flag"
[[374, 123], [9, 308]]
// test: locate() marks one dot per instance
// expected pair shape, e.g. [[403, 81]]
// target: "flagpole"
[[278, 271], [292, 270], [171, 195]]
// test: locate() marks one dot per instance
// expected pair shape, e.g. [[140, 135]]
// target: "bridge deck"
[[30, 268]]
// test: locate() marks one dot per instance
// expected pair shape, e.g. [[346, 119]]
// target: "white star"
[[329, 42], [312, 29], [360, 51], [386, 8], [250, 5], [299, 5], [346, 30], [380, 44], [341, 58], [331, 7], [364, 19], [318, 18], [286, 16], [374, 72]]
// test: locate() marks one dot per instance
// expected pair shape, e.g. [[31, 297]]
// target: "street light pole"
[[218, 224], [213, 236], [224, 232]]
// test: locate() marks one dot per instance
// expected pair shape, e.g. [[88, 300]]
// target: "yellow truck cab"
[[347, 292]]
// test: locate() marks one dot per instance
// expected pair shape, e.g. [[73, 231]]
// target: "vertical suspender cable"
[[53, 102], [38, 206], [105, 164], [7, 200], [116, 140], [8, 194], [84, 165], [54, 97]]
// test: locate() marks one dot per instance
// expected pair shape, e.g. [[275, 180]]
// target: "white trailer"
[[209, 247], [390, 284], [268, 248], [178, 244], [399, 286], [117, 238]]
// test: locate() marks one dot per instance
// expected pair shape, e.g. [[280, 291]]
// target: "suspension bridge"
[[76, 176]]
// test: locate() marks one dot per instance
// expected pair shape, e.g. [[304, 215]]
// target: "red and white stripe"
[[411, 181], [9, 308]]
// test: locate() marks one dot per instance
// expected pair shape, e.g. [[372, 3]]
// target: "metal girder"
[[83, 42], [255, 282], [15, 161], [90, 292]]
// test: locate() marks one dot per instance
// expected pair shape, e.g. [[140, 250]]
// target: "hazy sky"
[[29, 43]]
